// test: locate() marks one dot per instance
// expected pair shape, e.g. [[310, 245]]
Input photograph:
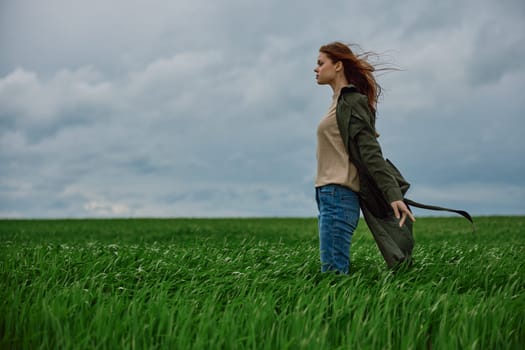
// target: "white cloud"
[[106, 209]]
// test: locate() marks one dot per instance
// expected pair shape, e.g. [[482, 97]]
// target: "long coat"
[[380, 182]]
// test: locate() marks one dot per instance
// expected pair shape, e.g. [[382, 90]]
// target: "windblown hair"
[[358, 70]]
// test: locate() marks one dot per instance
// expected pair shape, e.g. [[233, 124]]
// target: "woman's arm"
[[372, 158]]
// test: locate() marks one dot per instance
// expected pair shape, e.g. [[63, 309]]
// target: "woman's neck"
[[339, 83]]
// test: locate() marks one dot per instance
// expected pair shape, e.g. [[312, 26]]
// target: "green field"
[[255, 284]]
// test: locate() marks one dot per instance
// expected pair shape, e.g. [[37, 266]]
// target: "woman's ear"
[[339, 66]]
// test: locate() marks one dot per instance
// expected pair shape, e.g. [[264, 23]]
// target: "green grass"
[[255, 284]]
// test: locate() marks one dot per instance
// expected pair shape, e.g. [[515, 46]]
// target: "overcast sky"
[[209, 107]]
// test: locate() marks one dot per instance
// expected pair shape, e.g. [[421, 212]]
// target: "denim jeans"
[[338, 218]]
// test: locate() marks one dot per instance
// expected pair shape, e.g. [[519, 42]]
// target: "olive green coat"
[[380, 182]]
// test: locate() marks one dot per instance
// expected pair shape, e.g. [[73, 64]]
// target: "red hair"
[[358, 70]]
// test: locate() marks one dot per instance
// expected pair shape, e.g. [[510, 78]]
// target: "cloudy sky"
[[209, 107]]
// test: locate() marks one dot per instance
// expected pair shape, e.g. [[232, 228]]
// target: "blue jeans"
[[338, 218]]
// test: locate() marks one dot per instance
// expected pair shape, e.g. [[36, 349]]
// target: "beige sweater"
[[333, 165]]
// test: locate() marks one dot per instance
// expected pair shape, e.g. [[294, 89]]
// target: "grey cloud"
[[498, 197], [41, 107], [499, 50], [171, 109], [72, 34]]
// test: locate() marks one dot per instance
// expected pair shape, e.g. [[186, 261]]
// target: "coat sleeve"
[[363, 132]]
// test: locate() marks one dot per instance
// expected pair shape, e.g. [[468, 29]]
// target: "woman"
[[350, 165]]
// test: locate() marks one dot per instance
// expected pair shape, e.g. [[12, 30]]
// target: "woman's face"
[[325, 72]]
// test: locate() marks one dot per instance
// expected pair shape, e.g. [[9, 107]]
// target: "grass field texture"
[[255, 284]]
